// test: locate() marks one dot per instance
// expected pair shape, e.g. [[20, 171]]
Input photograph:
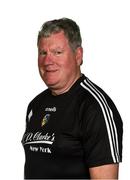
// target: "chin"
[[51, 83], [51, 79]]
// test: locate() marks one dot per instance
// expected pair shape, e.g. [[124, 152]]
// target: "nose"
[[47, 59]]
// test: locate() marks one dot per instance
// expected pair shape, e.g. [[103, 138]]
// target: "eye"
[[58, 52], [43, 53]]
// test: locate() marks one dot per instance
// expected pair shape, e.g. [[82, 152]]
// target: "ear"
[[79, 55]]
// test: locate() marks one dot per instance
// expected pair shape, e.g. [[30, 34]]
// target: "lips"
[[47, 71], [51, 70]]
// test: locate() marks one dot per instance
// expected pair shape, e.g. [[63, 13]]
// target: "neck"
[[56, 92]]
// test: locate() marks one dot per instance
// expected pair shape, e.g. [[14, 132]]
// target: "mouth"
[[43, 72], [51, 71]]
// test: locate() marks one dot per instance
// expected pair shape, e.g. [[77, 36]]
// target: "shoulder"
[[98, 105], [36, 101], [96, 96]]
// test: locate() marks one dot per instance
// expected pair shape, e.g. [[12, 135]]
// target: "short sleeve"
[[102, 136]]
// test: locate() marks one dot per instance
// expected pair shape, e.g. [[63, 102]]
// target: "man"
[[73, 128]]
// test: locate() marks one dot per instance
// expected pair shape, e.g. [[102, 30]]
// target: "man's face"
[[58, 64]]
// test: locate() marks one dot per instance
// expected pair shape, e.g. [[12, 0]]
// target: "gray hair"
[[68, 26]]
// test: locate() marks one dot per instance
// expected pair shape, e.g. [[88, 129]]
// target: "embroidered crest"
[[45, 119]]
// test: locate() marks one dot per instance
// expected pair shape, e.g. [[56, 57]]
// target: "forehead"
[[54, 40]]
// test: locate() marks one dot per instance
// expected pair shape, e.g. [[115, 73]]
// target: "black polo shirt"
[[67, 134]]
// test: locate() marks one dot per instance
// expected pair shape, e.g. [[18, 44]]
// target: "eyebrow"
[[52, 49]]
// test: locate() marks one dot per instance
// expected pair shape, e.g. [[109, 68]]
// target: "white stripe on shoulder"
[[108, 117]]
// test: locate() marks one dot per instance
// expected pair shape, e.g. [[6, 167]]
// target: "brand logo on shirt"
[[39, 142], [38, 137], [50, 109], [45, 120]]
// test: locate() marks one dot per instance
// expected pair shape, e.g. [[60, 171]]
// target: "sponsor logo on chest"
[[50, 109]]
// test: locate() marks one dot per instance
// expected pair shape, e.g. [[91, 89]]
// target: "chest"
[[54, 129]]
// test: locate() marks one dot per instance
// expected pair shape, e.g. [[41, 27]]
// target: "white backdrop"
[[105, 29]]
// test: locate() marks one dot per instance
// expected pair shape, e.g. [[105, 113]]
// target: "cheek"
[[67, 62], [66, 70], [40, 61], [70, 65]]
